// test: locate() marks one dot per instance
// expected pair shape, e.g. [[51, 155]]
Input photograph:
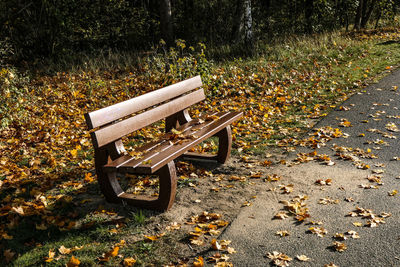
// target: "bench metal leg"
[[225, 144], [224, 148], [113, 192]]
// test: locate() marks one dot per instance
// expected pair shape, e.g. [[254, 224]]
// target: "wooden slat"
[[109, 114], [151, 149], [160, 159], [115, 131]]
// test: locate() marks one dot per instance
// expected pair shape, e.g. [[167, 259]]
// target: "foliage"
[[177, 63], [41, 28]]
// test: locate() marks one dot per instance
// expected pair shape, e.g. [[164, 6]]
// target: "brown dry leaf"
[[73, 262], [63, 250], [302, 258], [319, 231], [328, 200], [173, 226], [392, 127], [197, 242], [281, 215], [18, 210], [215, 245], [246, 204], [287, 189], [353, 234], [230, 250], [223, 264], [330, 265], [129, 262], [339, 246], [112, 253], [324, 182], [282, 233], [393, 192], [8, 255], [279, 259], [273, 178], [340, 236]]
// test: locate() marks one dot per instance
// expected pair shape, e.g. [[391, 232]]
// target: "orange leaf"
[[114, 252], [199, 262], [73, 262]]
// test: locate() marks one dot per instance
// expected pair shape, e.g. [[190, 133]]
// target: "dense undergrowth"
[[46, 157]]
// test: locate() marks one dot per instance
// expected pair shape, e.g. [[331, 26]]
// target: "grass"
[[282, 91]]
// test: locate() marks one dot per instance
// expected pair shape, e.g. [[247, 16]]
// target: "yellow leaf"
[[74, 153], [152, 237], [50, 258], [128, 262]]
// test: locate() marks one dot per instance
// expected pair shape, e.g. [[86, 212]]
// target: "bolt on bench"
[[171, 103]]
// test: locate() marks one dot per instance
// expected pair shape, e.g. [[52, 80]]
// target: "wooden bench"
[[171, 103]]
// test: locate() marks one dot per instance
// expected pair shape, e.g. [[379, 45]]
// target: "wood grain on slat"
[[109, 114], [151, 149], [163, 157], [115, 131]]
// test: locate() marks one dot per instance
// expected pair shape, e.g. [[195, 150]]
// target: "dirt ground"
[[215, 189]]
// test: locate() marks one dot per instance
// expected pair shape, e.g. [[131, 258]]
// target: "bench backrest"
[[117, 121]]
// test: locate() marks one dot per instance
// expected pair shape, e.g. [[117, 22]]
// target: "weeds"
[[138, 217]]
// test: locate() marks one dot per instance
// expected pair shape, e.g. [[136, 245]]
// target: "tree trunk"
[[357, 22], [367, 13], [242, 30], [248, 26], [166, 22]]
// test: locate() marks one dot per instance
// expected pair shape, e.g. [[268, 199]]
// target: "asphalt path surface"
[[371, 113]]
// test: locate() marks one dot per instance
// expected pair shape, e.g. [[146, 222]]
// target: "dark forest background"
[[52, 28]]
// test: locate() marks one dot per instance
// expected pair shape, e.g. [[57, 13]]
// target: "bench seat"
[[157, 154]]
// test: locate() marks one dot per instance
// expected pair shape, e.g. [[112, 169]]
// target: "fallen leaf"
[[63, 250], [339, 246], [73, 262], [282, 233], [198, 262], [129, 262], [302, 258]]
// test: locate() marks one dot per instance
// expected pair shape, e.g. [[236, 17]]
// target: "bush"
[[178, 63], [13, 96]]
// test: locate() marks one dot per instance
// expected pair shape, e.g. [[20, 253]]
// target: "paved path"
[[253, 233]]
